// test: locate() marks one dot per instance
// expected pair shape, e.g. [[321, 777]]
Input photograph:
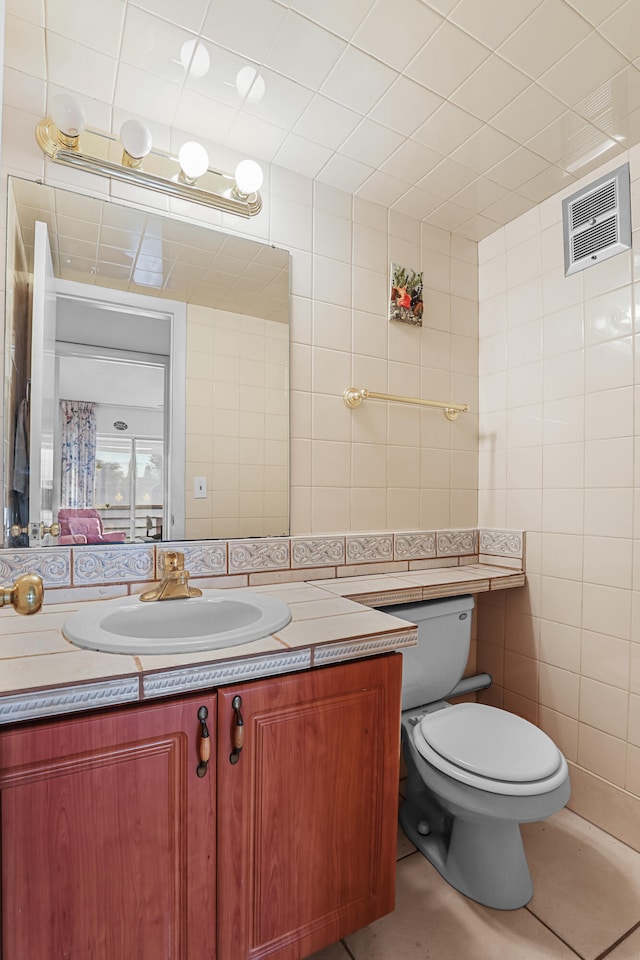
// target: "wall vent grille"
[[597, 221]]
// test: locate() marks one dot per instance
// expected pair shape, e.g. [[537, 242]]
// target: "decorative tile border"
[[317, 551], [502, 543], [414, 546], [456, 589], [333, 652], [52, 564], [364, 548], [87, 696], [387, 597], [264, 554], [456, 543], [504, 583], [170, 682], [205, 558], [349, 554], [123, 564]]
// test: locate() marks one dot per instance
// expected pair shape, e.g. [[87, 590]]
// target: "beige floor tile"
[[335, 952], [405, 847], [586, 883], [432, 921], [629, 949]]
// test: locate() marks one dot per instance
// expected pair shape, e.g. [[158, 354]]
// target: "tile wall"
[[237, 366], [560, 456], [381, 466]]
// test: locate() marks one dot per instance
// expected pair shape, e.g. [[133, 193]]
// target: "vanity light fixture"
[[65, 138], [194, 161], [136, 141], [249, 178], [68, 116]]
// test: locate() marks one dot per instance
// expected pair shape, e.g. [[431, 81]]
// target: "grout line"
[[556, 934], [346, 947], [406, 855], [620, 940], [590, 823]]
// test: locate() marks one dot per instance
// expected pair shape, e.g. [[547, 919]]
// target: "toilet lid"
[[489, 742]]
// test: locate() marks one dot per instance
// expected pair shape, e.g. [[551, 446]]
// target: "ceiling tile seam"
[[503, 41], [291, 13], [173, 23], [526, 144], [587, 21], [280, 126], [400, 73]]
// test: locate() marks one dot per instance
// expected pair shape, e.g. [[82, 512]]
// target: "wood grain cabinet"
[[307, 816], [108, 837], [114, 847]]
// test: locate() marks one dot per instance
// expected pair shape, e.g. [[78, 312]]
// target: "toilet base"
[[484, 861], [477, 849]]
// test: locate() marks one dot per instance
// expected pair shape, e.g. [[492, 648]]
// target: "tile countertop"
[[43, 674]]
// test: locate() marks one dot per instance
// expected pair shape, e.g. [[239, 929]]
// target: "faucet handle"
[[172, 560]]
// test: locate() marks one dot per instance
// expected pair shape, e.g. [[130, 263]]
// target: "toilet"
[[474, 772]]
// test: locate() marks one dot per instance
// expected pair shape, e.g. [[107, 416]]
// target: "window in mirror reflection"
[[129, 484]]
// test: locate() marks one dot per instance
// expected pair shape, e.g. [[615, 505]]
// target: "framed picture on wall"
[[405, 302]]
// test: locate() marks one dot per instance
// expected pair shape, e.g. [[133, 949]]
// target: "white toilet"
[[474, 772]]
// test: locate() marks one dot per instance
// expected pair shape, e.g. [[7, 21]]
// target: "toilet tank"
[[431, 670]]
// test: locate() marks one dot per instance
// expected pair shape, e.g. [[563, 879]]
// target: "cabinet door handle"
[[204, 745], [238, 731]]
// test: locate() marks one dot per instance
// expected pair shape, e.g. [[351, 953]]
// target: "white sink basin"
[[219, 618]]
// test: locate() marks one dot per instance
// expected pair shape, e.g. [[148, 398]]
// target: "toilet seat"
[[490, 749]]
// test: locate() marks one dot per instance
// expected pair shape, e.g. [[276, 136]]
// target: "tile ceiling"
[[464, 113], [98, 242]]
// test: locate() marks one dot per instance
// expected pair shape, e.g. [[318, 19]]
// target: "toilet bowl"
[[474, 772]]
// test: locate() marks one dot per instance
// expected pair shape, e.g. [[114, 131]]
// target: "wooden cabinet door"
[[108, 843], [307, 817]]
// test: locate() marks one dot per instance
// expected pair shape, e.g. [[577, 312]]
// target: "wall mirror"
[[146, 376]]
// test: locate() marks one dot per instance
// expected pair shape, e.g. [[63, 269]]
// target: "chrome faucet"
[[175, 581]]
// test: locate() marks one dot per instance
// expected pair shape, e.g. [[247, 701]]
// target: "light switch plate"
[[199, 488]]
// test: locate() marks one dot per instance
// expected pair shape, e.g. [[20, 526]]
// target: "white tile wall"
[[558, 380]]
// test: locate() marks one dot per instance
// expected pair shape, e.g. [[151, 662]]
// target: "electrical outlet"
[[199, 488]]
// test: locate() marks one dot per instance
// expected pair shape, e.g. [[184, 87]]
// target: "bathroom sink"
[[219, 618]]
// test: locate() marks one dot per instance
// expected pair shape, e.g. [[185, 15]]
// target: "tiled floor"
[[586, 905]]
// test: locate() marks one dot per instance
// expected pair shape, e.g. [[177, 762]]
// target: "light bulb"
[[194, 160], [135, 137], [249, 177], [250, 84], [195, 58], [69, 118]]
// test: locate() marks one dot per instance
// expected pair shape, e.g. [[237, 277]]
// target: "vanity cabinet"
[[307, 816], [112, 846], [108, 837]]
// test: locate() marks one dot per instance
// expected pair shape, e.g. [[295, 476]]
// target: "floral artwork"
[[405, 303]]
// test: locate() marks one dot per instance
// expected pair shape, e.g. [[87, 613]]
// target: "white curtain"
[[78, 453]]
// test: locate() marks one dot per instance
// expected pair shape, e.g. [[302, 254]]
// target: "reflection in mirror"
[[146, 376]]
